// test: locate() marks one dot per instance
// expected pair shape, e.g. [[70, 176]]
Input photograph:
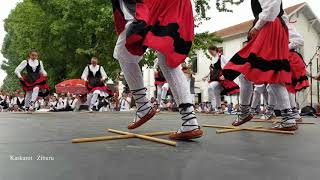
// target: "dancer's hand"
[[253, 33], [222, 78]]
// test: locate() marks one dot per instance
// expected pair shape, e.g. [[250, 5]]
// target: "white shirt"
[[124, 104], [94, 69], [295, 39], [14, 101], [156, 63], [125, 11], [104, 109], [72, 103], [270, 11], [62, 103], [42, 102], [37, 104], [53, 104], [223, 59], [33, 63]]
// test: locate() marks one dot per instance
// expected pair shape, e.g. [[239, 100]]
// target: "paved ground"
[[241, 155]]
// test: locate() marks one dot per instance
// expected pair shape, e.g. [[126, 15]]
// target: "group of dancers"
[[167, 26], [35, 84]]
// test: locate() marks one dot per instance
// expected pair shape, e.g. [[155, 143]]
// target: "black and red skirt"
[[41, 82], [166, 26], [265, 58], [229, 87], [103, 88], [299, 73]]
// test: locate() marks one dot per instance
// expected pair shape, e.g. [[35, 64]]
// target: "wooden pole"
[[108, 138], [218, 126], [251, 129], [272, 121], [163, 141], [271, 131], [236, 129]]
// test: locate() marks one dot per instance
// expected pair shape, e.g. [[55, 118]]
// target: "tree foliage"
[[68, 32]]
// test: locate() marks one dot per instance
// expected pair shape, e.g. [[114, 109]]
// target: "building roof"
[[245, 26]]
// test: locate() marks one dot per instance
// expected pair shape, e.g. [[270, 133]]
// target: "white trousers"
[[162, 90], [31, 96], [257, 92], [214, 92]]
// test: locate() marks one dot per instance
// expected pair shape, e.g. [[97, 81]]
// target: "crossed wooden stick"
[[127, 135], [228, 129], [150, 136]]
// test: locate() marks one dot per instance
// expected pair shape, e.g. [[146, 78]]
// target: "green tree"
[[68, 32]]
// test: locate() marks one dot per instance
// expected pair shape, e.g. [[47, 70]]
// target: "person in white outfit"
[[95, 76], [35, 82]]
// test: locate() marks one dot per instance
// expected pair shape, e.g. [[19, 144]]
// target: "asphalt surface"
[[238, 155]]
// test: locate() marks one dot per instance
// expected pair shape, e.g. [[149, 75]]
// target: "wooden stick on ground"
[[236, 129], [108, 138], [251, 129], [276, 121], [271, 131], [218, 126], [163, 141]]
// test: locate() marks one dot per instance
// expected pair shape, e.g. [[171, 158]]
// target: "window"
[[194, 60]]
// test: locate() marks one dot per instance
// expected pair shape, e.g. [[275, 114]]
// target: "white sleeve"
[[73, 105], [295, 39], [20, 68], [65, 104], [224, 61], [44, 73], [270, 11], [103, 73], [156, 63], [85, 74]]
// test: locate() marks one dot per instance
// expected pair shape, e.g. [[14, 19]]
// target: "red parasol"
[[72, 86]]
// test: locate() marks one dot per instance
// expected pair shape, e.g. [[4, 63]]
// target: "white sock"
[[191, 124]]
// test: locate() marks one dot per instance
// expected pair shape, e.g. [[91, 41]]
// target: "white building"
[[305, 21]]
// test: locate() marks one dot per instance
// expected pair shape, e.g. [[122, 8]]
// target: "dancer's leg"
[[35, 93], [258, 90], [293, 104], [281, 94], [246, 91], [132, 73], [27, 99], [181, 93], [211, 95]]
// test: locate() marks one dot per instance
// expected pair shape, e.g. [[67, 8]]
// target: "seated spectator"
[[104, 106], [125, 102], [71, 104], [53, 103]]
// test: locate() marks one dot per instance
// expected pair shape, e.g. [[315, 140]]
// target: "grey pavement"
[[238, 155]]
